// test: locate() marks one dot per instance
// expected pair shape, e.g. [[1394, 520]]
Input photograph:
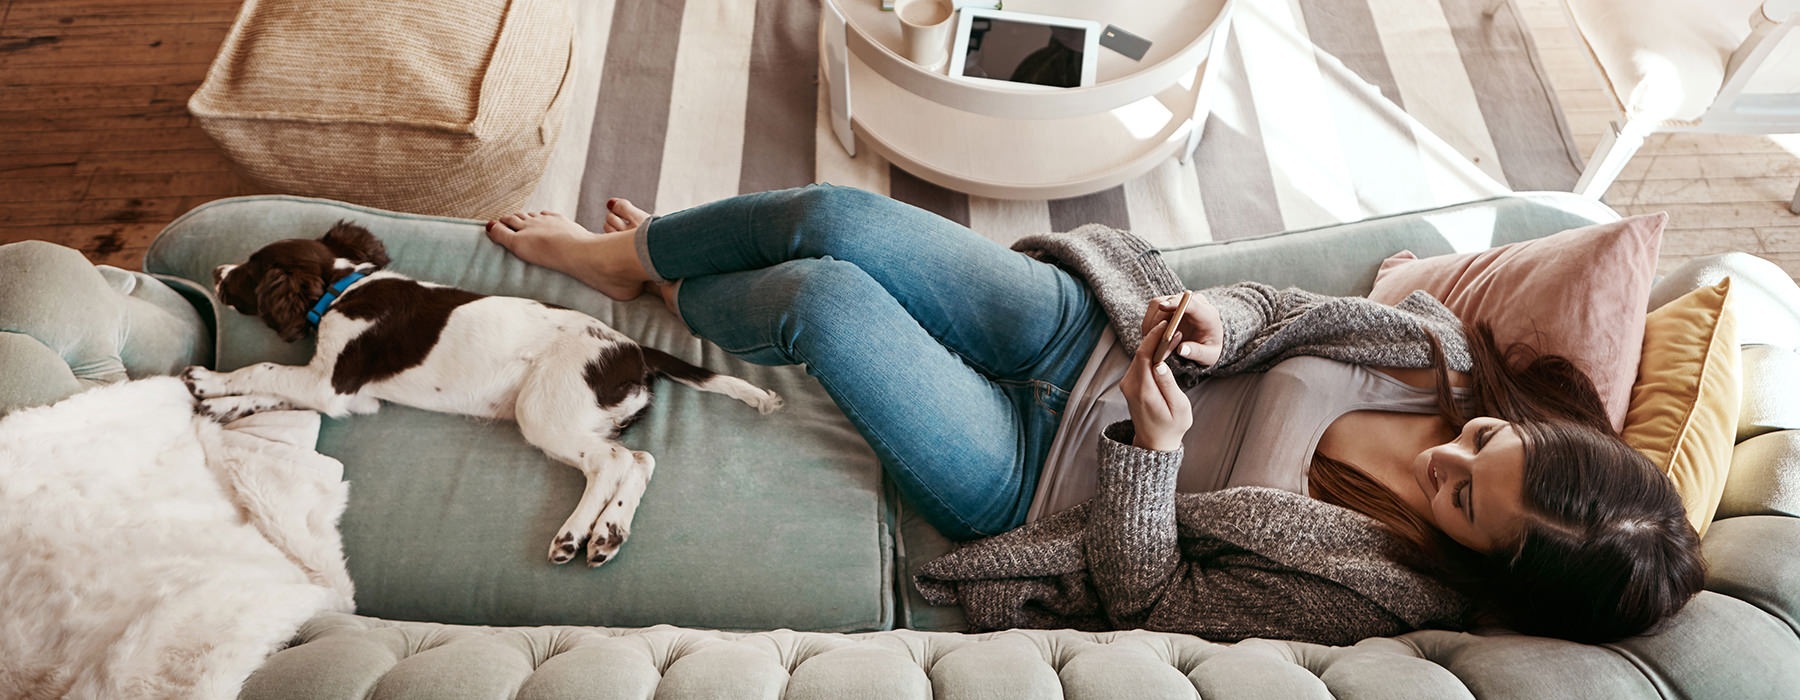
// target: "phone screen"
[[1025, 52]]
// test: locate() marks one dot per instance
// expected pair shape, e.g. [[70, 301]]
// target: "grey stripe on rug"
[[924, 195], [781, 109], [624, 151], [1322, 111], [1537, 150], [1104, 207], [1342, 29], [1230, 163]]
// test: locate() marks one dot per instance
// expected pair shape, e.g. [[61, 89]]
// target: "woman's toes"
[[624, 209], [622, 216], [500, 233]]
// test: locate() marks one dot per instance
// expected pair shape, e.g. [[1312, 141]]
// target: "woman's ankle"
[[610, 264], [629, 257]]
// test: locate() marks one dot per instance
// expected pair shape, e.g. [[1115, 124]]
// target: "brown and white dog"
[[571, 382]]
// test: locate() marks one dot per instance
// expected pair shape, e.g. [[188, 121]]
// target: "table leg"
[[834, 68], [1206, 83]]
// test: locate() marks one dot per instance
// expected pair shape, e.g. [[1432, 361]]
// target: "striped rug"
[[1326, 111]]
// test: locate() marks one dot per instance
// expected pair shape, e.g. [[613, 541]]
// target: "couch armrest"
[[1765, 464], [66, 325], [1765, 477], [1770, 374], [1751, 559]]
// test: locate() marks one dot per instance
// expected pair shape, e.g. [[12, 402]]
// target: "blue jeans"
[[950, 353]]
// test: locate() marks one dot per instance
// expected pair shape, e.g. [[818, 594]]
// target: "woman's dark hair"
[[1606, 551]]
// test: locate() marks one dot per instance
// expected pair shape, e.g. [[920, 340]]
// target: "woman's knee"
[[821, 296], [828, 198], [823, 219], [815, 283]]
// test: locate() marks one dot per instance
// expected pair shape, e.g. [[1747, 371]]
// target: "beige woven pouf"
[[445, 107]]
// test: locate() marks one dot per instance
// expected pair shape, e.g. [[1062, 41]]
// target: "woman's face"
[[1474, 485]]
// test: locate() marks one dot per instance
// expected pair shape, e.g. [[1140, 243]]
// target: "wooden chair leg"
[[1616, 148], [1794, 206]]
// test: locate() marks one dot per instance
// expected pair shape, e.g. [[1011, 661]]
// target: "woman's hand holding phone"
[[1198, 324], [1160, 412]]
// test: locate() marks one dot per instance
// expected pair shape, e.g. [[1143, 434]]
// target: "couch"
[[769, 558]]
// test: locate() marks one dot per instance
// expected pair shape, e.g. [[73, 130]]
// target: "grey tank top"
[[1249, 429]]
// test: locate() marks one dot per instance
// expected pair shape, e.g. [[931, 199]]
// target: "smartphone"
[[888, 6], [1166, 344]]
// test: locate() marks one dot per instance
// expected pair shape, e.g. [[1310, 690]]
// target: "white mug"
[[925, 25]]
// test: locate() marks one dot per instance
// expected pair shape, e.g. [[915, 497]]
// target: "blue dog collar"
[[331, 295]]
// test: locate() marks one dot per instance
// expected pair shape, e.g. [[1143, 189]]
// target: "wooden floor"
[[1722, 192], [97, 150]]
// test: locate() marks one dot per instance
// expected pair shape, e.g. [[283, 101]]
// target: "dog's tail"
[[665, 365]]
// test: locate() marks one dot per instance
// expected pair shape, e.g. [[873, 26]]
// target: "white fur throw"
[[149, 553]]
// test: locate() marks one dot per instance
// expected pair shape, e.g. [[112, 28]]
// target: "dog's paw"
[[364, 405], [203, 383], [603, 547], [225, 409], [564, 548], [216, 410], [770, 403]]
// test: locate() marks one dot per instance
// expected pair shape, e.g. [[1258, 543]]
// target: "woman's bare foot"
[[605, 261], [622, 215]]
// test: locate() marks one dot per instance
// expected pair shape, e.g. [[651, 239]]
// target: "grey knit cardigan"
[[1230, 564]]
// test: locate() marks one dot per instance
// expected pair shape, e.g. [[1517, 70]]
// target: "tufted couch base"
[[367, 657], [349, 656]]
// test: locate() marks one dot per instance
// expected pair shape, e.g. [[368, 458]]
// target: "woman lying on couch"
[[1358, 469]]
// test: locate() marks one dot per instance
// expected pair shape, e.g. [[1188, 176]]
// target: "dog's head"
[[283, 280]]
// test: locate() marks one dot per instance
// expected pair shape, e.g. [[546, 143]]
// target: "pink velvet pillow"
[[1580, 294]]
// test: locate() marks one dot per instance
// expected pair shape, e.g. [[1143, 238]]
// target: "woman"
[[1441, 472]]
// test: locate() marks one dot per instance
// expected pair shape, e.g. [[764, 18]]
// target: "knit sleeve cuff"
[[1244, 310], [1132, 471]]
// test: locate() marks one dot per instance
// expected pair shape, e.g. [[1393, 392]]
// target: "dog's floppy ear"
[[283, 298], [352, 242]]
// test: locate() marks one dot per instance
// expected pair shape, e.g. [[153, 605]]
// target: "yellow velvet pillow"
[[1684, 404]]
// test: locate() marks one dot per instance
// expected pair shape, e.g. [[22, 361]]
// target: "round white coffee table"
[[995, 140]]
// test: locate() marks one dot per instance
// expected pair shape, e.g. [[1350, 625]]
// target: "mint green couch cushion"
[[758, 522]]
